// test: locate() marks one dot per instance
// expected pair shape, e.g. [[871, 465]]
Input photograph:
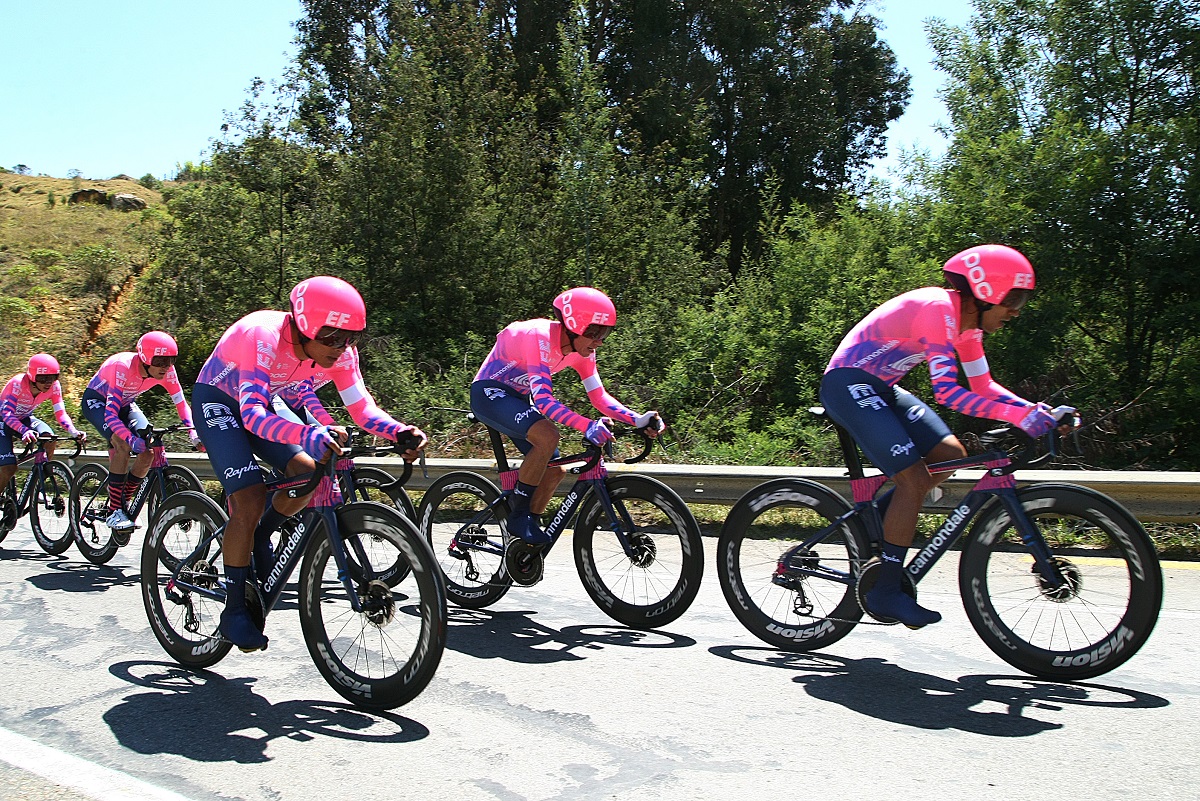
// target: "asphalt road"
[[543, 697]]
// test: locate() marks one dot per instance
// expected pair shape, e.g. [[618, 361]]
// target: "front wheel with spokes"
[[657, 578], [385, 654], [792, 597], [48, 508], [1092, 620]]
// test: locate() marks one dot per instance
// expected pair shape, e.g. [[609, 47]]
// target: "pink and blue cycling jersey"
[[120, 382], [20, 397], [922, 326], [527, 354], [254, 360]]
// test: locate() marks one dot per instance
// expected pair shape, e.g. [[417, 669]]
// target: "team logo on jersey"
[[494, 393], [898, 450], [940, 366], [866, 397], [93, 403], [915, 413], [218, 415]]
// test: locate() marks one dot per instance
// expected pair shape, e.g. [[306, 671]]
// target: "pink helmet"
[[584, 306], [42, 364], [155, 343], [327, 301], [993, 272]]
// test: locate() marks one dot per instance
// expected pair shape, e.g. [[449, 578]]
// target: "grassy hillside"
[[64, 267]]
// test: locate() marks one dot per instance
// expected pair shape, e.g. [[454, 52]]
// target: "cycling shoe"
[[524, 526], [238, 627], [894, 603]]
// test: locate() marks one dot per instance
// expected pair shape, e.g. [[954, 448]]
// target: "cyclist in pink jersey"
[[109, 405], [512, 393], [23, 393], [262, 354], [987, 286]]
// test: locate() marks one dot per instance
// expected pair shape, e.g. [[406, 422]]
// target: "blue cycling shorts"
[[8, 437], [497, 406], [231, 448], [93, 411], [894, 427]]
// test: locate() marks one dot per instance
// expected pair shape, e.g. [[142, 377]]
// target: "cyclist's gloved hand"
[[320, 440], [79, 435], [652, 420], [1038, 420], [598, 434], [137, 445], [411, 439], [29, 437], [194, 438]]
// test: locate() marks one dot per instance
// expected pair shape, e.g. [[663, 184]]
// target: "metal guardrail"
[[1151, 496]]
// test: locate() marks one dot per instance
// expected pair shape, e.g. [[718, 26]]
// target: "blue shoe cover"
[[239, 629], [895, 603], [524, 526]]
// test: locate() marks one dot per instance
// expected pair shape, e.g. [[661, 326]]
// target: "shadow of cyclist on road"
[[66, 576], [994, 705], [205, 717], [516, 637]]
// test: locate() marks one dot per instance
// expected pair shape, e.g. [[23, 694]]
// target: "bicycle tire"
[[186, 622], [176, 478], [659, 582], [380, 484], [88, 511], [8, 514], [384, 656], [812, 612], [48, 508], [474, 578], [1091, 626]]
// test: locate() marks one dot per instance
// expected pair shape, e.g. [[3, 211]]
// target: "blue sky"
[[139, 86]]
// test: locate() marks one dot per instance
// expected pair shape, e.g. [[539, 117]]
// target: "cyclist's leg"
[[510, 413], [118, 458], [8, 459], [229, 449], [868, 408]]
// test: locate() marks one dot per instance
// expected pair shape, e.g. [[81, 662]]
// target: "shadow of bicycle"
[[517, 637], [994, 705], [205, 717], [66, 576]]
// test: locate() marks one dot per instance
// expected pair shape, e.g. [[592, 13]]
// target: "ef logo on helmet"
[[337, 319]]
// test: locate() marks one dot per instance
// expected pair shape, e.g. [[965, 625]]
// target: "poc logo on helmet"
[[568, 313], [976, 275], [336, 319]]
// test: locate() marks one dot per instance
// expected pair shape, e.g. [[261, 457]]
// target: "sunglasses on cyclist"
[[337, 338], [46, 378], [162, 361], [1016, 299], [597, 332]]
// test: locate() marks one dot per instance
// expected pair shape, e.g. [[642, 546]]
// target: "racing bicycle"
[[372, 606], [89, 498], [1058, 580], [43, 496], [637, 546]]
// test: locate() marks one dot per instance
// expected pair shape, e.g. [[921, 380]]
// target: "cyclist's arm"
[[254, 404], [979, 376], [8, 410], [365, 412], [605, 403], [943, 371], [534, 355], [60, 410], [170, 383], [304, 395]]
